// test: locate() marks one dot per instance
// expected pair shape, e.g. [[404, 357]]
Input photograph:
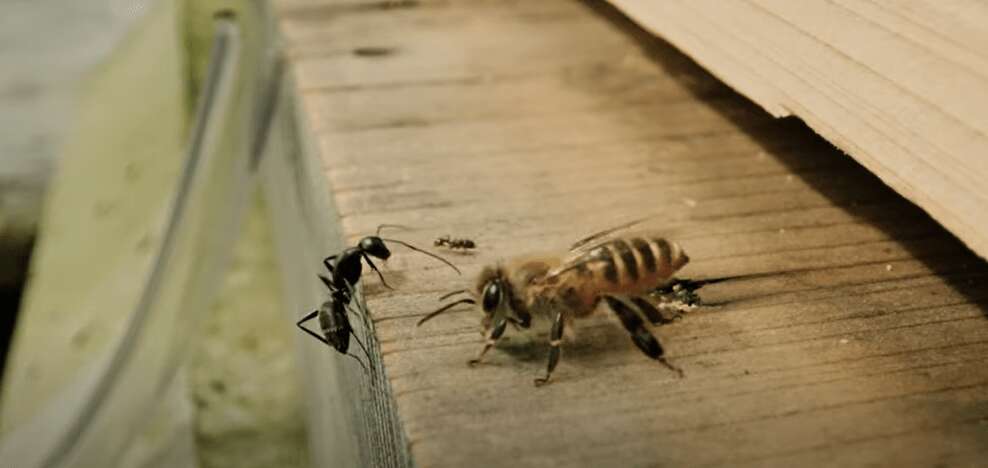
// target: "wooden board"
[[901, 86], [528, 125]]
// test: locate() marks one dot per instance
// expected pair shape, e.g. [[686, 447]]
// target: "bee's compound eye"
[[492, 297]]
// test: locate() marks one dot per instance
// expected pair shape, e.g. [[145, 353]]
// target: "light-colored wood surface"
[[901, 86], [527, 125]]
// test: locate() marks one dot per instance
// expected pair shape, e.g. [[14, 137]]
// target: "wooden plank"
[[901, 89], [862, 342]]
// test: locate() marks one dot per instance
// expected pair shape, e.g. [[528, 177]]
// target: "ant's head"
[[374, 246]]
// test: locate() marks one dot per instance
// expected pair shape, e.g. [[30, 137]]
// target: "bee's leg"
[[639, 334], [524, 319], [555, 340], [315, 335], [522, 323], [492, 338], [651, 313], [685, 290], [688, 297]]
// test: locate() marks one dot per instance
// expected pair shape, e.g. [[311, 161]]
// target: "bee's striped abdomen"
[[629, 261], [645, 254], [601, 258], [631, 265]]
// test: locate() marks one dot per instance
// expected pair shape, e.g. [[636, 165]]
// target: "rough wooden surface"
[[527, 125]]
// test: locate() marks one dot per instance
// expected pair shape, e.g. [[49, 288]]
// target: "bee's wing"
[[579, 258], [595, 239], [586, 252]]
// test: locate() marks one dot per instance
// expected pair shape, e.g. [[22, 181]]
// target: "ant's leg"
[[349, 293], [374, 267], [361, 306], [639, 334], [310, 332], [492, 338], [354, 356], [363, 316], [555, 340], [358, 312], [327, 262], [326, 281], [364, 348]]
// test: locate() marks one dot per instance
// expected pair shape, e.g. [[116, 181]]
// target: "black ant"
[[455, 243], [346, 267]]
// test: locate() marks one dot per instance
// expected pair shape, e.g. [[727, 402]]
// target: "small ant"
[[464, 244]]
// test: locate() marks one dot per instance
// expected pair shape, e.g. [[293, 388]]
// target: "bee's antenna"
[[390, 226], [444, 309], [451, 294], [410, 246]]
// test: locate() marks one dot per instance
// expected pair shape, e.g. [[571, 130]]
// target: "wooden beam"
[[528, 125], [901, 87]]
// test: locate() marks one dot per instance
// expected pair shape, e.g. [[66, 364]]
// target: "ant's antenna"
[[391, 226], [410, 246]]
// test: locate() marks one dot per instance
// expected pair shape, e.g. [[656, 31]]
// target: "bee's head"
[[374, 246], [490, 292], [499, 301]]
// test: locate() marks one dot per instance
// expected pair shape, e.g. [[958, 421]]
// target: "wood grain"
[[900, 86], [858, 337]]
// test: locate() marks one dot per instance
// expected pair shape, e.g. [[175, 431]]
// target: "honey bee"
[[622, 271]]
